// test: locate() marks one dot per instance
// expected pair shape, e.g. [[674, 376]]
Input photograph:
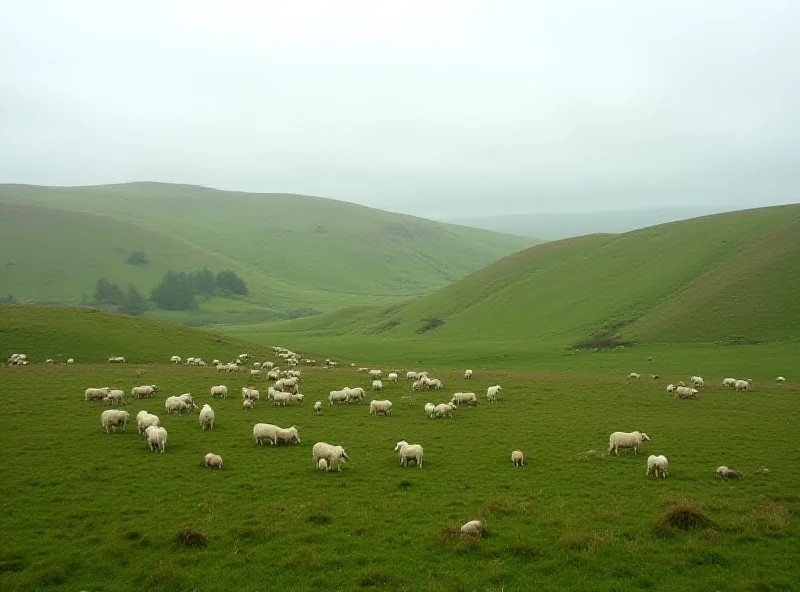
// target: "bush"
[[683, 514], [137, 258], [429, 324], [189, 536]]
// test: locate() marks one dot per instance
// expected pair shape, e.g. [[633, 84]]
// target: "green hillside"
[[724, 278], [90, 336], [294, 251]]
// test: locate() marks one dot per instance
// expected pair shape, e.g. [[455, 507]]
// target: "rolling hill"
[[729, 278], [297, 253]]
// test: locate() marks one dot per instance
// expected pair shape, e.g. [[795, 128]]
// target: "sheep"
[[179, 404], [392, 377], [729, 383], [362, 369], [696, 381], [116, 360], [433, 383], [430, 410], [377, 385], [219, 391], [670, 388], [354, 394], [657, 465], [318, 407], [375, 374], [473, 528], [255, 372], [322, 465], [144, 391], [338, 396], [493, 393], [286, 384], [175, 359], [265, 431], [743, 385], [443, 410], [287, 435], [408, 452], [281, 398], [467, 374], [417, 385], [213, 460], [634, 375], [115, 397], [207, 417], [114, 418], [411, 375], [156, 438], [293, 374], [332, 454], [247, 405], [780, 380], [145, 420], [626, 440], [517, 458], [464, 399], [380, 408], [70, 361], [96, 393], [724, 472], [273, 374], [684, 392], [250, 393]]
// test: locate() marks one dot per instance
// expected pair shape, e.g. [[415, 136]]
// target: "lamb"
[[247, 405], [408, 452], [296, 398], [430, 409], [467, 374], [144, 420], [207, 417], [517, 458], [114, 418], [375, 374], [96, 393], [70, 361], [634, 375], [493, 393], [145, 391], [670, 388], [219, 391], [417, 385], [265, 431], [626, 440], [318, 407], [473, 528], [287, 435], [657, 465], [175, 359], [443, 410], [179, 404], [377, 385], [322, 465], [156, 438], [729, 383], [250, 393], [213, 460], [696, 381], [380, 408], [464, 399], [392, 376], [743, 385], [115, 397], [332, 454], [724, 472]]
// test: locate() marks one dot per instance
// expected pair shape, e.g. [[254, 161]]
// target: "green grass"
[[295, 252], [724, 278]]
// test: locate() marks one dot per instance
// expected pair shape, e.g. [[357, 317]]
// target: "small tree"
[[107, 292], [175, 292], [137, 258], [202, 282], [8, 300], [134, 303], [228, 280]]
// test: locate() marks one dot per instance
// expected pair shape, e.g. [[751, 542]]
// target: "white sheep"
[[219, 391], [250, 393], [144, 391], [657, 465], [207, 417], [175, 359], [517, 458], [634, 375], [265, 431], [670, 388], [255, 372], [377, 385], [322, 465], [408, 452], [115, 397], [443, 410], [179, 404], [114, 418], [354, 395], [493, 393], [430, 409], [696, 381], [743, 385], [213, 460], [411, 375], [380, 407], [70, 361], [473, 528], [626, 440], [729, 383], [280, 398], [287, 435], [145, 420], [318, 407], [247, 405], [724, 472], [332, 454], [338, 396], [780, 380], [375, 374], [685, 392], [362, 369], [467, 374], [156, 438], [464, 399], [96, 393], [392, 377]]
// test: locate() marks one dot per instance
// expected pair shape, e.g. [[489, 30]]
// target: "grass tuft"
[[189, 536], [682, 514]]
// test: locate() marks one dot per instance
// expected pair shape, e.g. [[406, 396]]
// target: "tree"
[[107, 292], [202, 282], [137, 258], [228, 280], [8, 300], [175, 292], [134, 303]]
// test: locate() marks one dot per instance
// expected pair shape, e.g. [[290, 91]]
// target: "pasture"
[[82, 510]]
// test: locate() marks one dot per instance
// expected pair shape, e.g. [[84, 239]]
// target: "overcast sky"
[[426, 107]]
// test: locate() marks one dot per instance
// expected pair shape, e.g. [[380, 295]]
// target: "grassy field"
[[82, 510], [295, 252], [723, 278]]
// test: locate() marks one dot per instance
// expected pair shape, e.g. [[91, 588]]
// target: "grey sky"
[[424, 107]]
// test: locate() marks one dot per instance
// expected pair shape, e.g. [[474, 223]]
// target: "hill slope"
[[297, 251], [727, 277]]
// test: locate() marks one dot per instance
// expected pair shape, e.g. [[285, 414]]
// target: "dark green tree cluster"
[[109, 294], [137, 258], [179, 290], [8, 299]]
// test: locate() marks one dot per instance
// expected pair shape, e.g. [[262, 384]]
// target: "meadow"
[[83, 510]]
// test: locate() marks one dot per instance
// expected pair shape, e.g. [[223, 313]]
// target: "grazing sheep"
[[362, 369], [464, 399], [517, 458], [729, 383], [417, 385], [296, 398], [116, 360], [657, 465], [322, 465], [493, 393], [430, 409], [411, 376], [473, 528], [743, 385], [392, 377], [354, 395], [145, 420], [219, 391], [156, 438], [287, 436], [696, 381], [724, 472], [70, 361], [443, 410], [380, 407], [377, 385], [115, 397], [144, 391], [780, 380], [332, 454], [338, 396], [467, 374], [634, 375], [207, 417], [247, 405], [213, 460], [684, 392], [374, 374], [250, 393], [281, 398], [670, 388], [179, 404], [114, 418], [96, 393], [408, 452], [265, 431], [175, 359], [255, 372], [626, 440], [318, 407]]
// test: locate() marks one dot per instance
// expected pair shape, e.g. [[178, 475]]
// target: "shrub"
[[189, 536]]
